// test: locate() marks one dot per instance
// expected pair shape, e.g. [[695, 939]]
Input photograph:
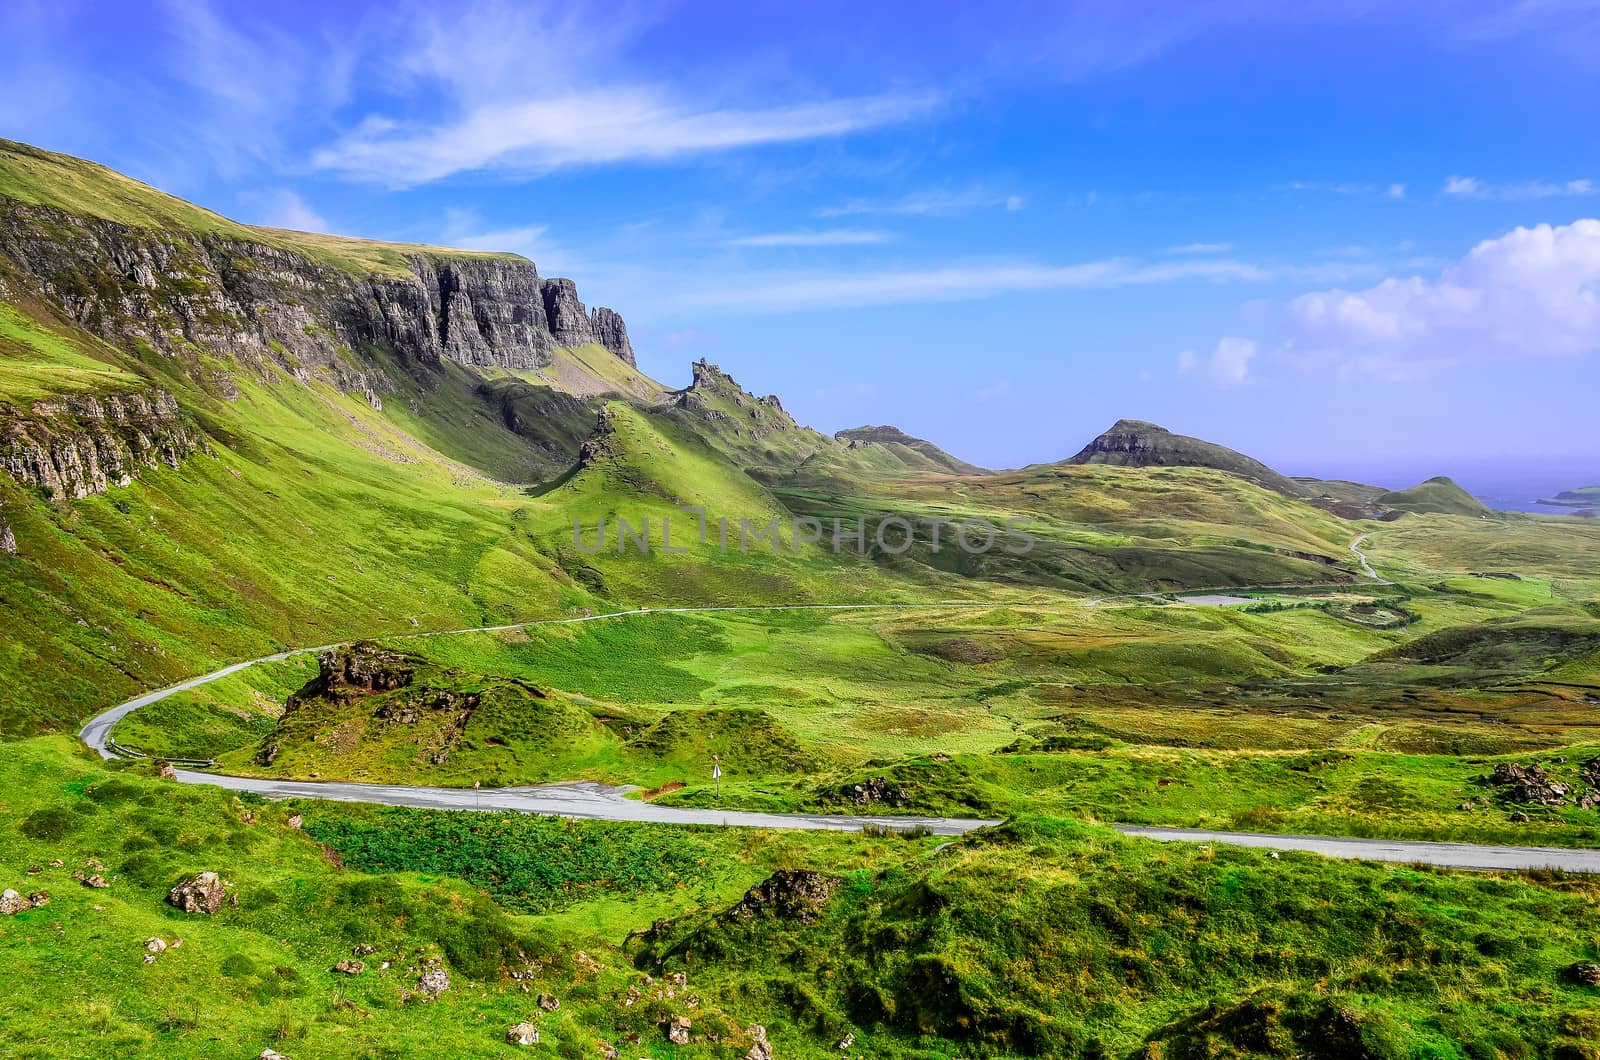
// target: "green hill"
[[1134, 443], [1437, 496], [914, 451]]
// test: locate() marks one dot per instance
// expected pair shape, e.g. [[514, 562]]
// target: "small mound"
[[748, 741]]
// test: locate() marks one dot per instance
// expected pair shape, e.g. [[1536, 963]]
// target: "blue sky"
[[1343, 238]]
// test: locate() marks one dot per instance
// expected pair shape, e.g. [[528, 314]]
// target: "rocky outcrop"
[[8, 540], [569, 321], [610, 332], [74, 446], [203, 892], [788, 894], [356, 669], [261, 303]]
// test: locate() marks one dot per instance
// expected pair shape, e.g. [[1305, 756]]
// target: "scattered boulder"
[[760, 1048], [294, 821], [270, 1054], [434, 981], [39, 898], [350, 967], [549, 1002], [12, 903], [166, 772], [522, 1034], [846, 1042], [1585, 973], [364, 950], [789, 894], [876, 791], [1529, 784], [90, 879], [678, 1030], [203, 892], [155, 945]]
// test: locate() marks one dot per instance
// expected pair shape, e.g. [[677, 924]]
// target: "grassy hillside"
[[1437, 496], [43, 178]]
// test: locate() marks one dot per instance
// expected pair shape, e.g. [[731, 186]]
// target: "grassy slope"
[[44, 178], [260, 974], [1437, 496], [1058, 940]]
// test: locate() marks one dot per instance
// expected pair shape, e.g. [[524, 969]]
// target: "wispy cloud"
[[1200, 248], [835, 237], [1472, 188], [1381, 190], [926, 203], [788, 292], [629, 124]]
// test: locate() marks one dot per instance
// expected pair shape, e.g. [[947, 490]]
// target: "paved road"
[[582, 800], [1446, 855], [600, 802]]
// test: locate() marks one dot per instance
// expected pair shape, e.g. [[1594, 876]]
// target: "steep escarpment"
[[1135, 443], [156, 276], [73, 446], [179, 293]]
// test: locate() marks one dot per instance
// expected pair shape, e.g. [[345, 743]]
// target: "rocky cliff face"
[[610, 332], [72, 447], [180, 293]]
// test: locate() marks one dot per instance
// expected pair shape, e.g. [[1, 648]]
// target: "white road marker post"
[[716, 774]]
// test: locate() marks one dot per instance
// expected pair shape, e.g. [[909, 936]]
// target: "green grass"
[[1052, 939]]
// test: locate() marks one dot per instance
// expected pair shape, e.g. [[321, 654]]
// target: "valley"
[[378, 469]]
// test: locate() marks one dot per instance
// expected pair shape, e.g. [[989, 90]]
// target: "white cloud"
[[925, 204], [622, 124], [835, 237], [1533, 292], [793, 291], [994, 391], [283, 208], [1227, 365], [1200, 248], [1396, 191], [1473, 188]]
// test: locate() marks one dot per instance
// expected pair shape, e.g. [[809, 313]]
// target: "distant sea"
[[1506, 485]]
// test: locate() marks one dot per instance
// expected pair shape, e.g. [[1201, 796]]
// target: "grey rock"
[[203, 892], [760, 1047], [8, 540], [609, 331], [279, 312], [568, 320], [75, 446], [434, 981], [522, 1034]]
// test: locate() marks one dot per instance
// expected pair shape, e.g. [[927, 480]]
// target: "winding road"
[[594, 801]]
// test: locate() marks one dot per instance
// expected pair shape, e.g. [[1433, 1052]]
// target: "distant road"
[[1445, 855]]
